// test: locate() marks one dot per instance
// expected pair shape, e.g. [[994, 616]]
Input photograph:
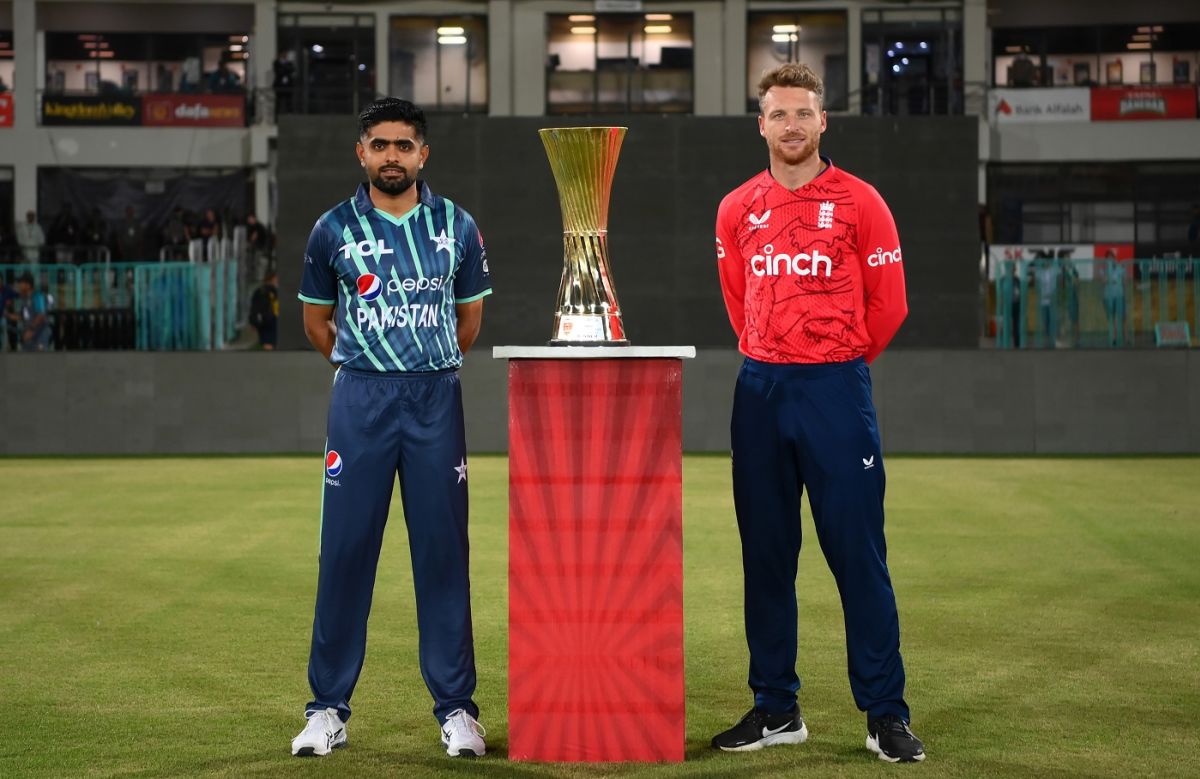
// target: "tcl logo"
[[880, 257], [376, 248]]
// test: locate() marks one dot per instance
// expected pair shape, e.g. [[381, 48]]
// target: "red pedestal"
[[595, 560]]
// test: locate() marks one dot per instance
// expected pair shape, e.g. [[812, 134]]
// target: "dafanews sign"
[[1054, 104], [193, 110], [91, 110]]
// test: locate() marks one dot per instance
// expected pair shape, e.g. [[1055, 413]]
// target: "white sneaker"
[[324, 733], [463, 735]]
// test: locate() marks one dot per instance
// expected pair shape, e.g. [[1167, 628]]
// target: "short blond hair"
[[792, 74]]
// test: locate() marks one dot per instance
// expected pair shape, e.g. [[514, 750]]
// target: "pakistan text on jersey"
[[414, 315]]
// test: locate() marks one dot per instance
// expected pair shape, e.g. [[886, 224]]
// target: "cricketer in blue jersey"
[[393, 288]]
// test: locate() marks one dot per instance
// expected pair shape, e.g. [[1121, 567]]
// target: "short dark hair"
[[391, 109], [25, 278]]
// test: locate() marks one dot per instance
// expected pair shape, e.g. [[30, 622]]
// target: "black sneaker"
[[889, 737], [760, 729]]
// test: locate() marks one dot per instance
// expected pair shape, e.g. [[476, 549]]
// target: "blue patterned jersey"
[[395, 280]]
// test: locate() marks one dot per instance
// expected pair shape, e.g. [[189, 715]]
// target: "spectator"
[[1114, 298], [258, 241], [224, 80], [95, 233], [65, 234], [27, 313], [189, 75], [176, 232], [31, 239], [131, 240], [264, 311], [1046, 274], [209, 226], [7, 295]]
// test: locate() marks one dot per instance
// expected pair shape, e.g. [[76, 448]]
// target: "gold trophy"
[[583, 160]]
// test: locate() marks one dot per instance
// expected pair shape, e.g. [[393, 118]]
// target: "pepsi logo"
[[369, 286], [333, 461]]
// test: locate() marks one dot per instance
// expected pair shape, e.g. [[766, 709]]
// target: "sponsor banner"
[[190, 110], [1028, 252], [91, 109], [6, 111], [1052, 104], [1116, 103]]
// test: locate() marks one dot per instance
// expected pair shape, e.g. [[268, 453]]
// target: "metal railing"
[[175, 305], [1097, 304]]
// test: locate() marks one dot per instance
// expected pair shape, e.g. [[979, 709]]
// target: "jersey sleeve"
[[319, 283], [731, 270], [472, 279], [882, 271]]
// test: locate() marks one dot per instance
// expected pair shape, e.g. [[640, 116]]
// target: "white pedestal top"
[[591, 352]]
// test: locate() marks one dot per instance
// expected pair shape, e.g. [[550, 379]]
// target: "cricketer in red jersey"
[[813, 279]]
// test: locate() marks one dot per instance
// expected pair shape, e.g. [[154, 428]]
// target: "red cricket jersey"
[[811, 276]]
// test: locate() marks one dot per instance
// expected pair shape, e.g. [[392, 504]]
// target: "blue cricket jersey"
[[395, 280]]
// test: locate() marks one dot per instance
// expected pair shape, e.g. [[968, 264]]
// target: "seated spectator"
[[27, 314], [209, 226], [95, 231]]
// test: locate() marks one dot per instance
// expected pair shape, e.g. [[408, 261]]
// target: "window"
[[625, 63], [326, 63], [134, 63], [818, 39], [1149, 204], [1111, 55], [912, 61], [440, 62]]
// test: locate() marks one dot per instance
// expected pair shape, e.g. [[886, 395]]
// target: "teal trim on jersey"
[[449, 217], [412, 245], [317, 301], [366, 349], [396, 220], [362, 269], [480, 296]]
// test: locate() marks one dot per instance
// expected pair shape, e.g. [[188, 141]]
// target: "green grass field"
[[155, 618]]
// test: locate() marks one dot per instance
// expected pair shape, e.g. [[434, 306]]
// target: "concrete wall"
[[931, 401]]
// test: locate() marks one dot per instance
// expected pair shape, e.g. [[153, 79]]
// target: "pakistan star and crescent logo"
[[444, 241]]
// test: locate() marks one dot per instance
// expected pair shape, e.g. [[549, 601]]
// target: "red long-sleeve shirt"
[[811, 276]]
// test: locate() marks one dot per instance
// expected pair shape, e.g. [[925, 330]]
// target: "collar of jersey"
[[828, 167], [363, 204]]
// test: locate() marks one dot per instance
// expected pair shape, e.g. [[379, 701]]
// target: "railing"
[[1104, 304], [175, 305]]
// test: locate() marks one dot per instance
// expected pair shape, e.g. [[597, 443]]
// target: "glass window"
[[106, 63], [440, 62], [625, 63], [912, 61], [326, 63], [1149, 204], [1111, 55], [817, 39]]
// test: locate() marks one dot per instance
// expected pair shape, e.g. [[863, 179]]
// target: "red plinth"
[[595, 560]]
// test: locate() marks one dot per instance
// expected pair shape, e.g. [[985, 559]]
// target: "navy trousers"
[[381, 425], [813, 426]]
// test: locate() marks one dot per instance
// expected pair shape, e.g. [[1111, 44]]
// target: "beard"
[[794, 156], [393, 186]]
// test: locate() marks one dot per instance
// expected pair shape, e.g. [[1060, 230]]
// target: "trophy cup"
[[583, 160]]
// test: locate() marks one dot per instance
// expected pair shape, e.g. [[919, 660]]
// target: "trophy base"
[[561, 342]]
